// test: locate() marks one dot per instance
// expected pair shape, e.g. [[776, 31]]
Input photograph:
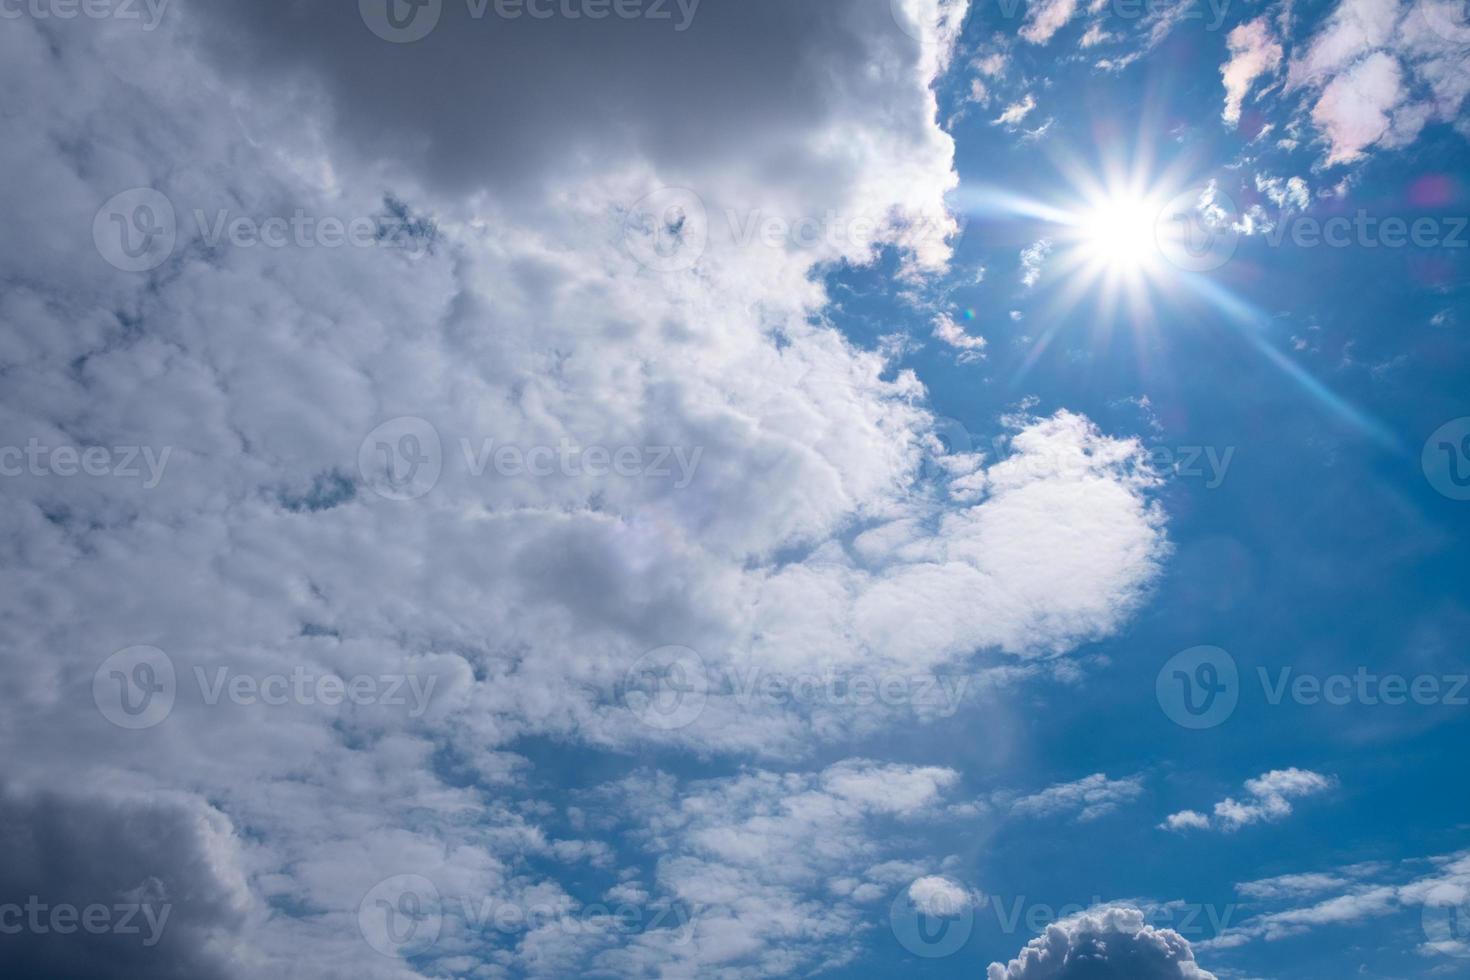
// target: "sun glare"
[[1118, 234]]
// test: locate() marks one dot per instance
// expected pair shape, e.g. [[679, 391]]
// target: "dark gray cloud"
[[96, 887], [490, 101]]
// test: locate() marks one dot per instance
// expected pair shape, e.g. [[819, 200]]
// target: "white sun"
[[1118, 233]]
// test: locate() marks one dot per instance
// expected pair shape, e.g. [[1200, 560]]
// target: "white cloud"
[[951, 333], [1254, 52], [941, 897], [1088, 798], [1110, 943], [1033, 257], [1016, 111], [1268, 800], [1045, 17]]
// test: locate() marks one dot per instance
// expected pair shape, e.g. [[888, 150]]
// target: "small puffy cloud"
[[1291, 193], [1268, 799], [1032, 259], [1186, 820], [1087, 798], [1254, 52], [1045, 17], [951, 333], [941, 897], [1016, 111], [1111, 943]]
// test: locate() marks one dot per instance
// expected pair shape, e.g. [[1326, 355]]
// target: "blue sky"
[[736, 490]]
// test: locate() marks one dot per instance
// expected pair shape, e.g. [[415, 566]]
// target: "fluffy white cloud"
[[1045, 17], [809, 536], [1110, 943], [938, 896], [1254, 52], [1268, 799]]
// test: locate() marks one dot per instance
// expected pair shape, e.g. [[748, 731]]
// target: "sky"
[[685, 488]]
